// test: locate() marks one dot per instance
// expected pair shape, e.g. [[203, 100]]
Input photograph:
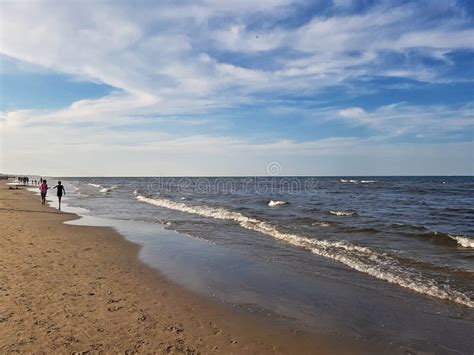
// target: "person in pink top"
[[44, 190]]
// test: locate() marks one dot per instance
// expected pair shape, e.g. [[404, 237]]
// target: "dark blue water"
[[407, 238]]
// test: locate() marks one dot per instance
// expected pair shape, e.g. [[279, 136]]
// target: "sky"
[[214, 87]]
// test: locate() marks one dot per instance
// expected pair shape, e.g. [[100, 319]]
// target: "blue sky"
[[224, 88]]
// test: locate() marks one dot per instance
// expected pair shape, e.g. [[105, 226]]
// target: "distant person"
[[44, 190], [60, 192]]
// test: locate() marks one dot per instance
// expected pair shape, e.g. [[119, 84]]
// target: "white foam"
[[205, 211], [276, 203], [463, 241], [108, 189], [362, 259], [321, 224], [94, 185], [352, 181], [342, 213]]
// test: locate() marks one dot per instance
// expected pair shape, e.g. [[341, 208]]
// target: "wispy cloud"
[[398, 119], [196, 58]]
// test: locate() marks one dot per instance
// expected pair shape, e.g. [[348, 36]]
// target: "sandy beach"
[[80, 289]]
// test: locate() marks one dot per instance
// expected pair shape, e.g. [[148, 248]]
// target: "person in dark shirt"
[[60, 192]]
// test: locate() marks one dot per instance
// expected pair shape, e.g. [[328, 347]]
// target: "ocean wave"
[[342, 213], [423, 232], [94, 185], [353, 181], [366, 230], [362, 259], [462, 240], [320, 224], [277, 203], [108, 189], [459, 210]]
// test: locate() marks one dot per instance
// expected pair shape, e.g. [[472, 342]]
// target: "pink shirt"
[[43, 188]]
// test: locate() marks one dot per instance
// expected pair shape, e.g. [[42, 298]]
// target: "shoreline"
[[81, 288]]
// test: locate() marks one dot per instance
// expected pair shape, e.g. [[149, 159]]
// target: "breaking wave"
[[108, 189], [94, 185], [342, 213], [352, 181], [462, 240], [362, 259], [423, 232], [276, 203]]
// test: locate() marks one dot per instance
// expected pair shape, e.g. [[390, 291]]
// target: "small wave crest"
[[349, 181], [439, 237], [108, 189], [462, 240], [342, 213], [352, 181], [320, 224], [94, 185], [362, 259], [277, 203]]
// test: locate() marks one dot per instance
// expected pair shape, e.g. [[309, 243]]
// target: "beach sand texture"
[[70, 289]]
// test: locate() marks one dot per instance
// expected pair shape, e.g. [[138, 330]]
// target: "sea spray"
[[273, 203]]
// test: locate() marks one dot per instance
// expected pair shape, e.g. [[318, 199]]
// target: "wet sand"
[[66, 288]]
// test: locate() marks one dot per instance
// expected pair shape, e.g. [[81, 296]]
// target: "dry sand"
[[70, 289]]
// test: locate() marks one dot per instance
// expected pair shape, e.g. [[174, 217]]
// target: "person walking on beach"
[[60, 192], [44, 190]]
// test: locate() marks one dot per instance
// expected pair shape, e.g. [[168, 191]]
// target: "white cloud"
[[353, 113], [90, 152], [398, 119], [180, 59], [156, 54], [237, 39]]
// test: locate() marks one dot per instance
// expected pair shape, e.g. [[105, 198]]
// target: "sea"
[[384, 259]]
